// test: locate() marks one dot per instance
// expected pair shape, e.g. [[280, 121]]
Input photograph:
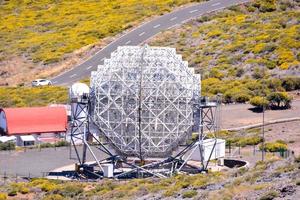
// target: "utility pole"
[[263, 123]]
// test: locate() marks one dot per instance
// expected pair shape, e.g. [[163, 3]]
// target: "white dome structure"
[[143, 100], [78, 91], [78, 95]]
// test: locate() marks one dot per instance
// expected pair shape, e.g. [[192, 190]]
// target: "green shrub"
[[259, 102], [170, 192], [279, 100], [12, 192], [286, 168], [24, 190], [274, 84], [242, 97], [249, 141], [19, 187], [270, 195], [38, 181], [53, 197], [258, 73], [291, 83], [61, 143], [189, 194], [236, 95], [215, 73], [265, 5], [71, 189], [277, 146], [3, 196], [45, 184], [4, 146], [46, 145], [48, 186]]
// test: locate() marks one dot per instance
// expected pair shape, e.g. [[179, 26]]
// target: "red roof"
[[20, 121]]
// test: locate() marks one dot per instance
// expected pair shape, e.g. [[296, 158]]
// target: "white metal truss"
[[143, 100]]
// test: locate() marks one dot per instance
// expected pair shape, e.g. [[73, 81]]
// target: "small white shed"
[[26, 140], [208, 144]]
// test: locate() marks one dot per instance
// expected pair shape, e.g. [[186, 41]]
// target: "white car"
[[40, 82]]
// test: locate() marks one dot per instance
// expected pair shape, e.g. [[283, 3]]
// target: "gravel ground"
[[37, 163]]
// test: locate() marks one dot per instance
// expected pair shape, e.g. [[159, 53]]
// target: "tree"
[[279, 100], [259, 102]]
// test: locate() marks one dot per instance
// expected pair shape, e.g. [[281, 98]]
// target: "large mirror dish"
[[143, 100]]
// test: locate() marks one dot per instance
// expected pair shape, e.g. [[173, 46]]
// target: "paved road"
[[35, 163], [141, 34], [239, 115]]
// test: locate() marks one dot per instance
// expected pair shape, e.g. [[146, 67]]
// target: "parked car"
[[40, 82]]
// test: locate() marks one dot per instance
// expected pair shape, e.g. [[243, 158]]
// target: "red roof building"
[[35, 120]]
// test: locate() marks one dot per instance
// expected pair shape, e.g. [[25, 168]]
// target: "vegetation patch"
[[3, 196], [189, 194], [61, 143], [240, 138], [278, 146], [245, 52], [44, 31], [269, 195], [5, 146], [35, 96]]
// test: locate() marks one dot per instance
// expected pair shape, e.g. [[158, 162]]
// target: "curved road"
[[141, 34]]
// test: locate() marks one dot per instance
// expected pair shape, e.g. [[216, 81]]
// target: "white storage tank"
[[108, 170], [78, 95]]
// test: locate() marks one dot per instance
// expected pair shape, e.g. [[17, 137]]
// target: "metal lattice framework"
[[143, 100]]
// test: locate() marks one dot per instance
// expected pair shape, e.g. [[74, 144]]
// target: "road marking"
[[89, 67], [173, 18], [192, 11], [73, 75], [184, 21], [156, 26], [141, 33], [128, 42], [215, 4]]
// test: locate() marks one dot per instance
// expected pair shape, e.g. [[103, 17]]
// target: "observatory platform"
[[146, 102]]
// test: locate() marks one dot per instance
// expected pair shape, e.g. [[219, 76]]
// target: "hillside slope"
[[236, 49], [274, 178], [35, 34]]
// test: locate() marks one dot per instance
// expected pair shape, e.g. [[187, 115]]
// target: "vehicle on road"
[[40, 82]]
